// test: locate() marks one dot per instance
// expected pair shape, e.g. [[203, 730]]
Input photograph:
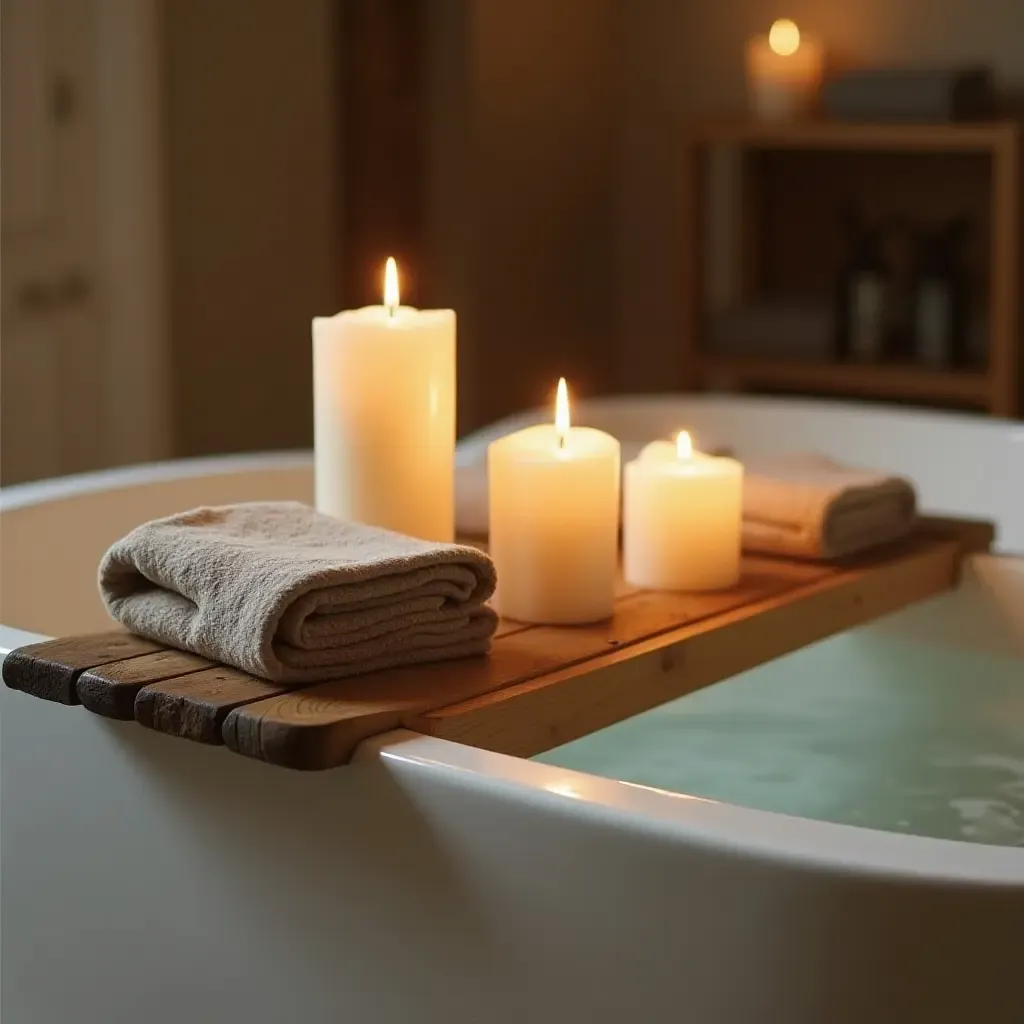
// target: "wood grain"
[[534, 716], [110, 690], [541, 685], [50, 670], [194, 706], [319, 726]]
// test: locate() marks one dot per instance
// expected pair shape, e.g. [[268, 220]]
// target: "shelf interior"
[[963, 387]]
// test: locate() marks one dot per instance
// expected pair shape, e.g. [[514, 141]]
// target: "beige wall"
[[552, 224], [684, 58], [252, 225], [524, 195], [521, 219]]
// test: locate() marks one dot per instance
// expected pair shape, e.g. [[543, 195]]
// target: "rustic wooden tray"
[[540, 686]]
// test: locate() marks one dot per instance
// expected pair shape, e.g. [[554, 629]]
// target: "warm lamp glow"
[[784, 37], [562, 408], [391, 285], [684, 446]]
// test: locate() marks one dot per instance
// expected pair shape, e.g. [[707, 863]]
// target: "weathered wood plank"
[[536, 715], [110, 690], [319, 726], [50, 670], [972, 535], [541, 685], [194, 706]]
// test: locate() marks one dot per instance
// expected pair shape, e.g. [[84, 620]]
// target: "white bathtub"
[[147, 879]]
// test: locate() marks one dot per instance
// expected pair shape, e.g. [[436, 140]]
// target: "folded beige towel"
[[808, 506], [282, 592]]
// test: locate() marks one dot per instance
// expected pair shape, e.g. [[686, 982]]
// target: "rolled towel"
[[807, 506], [282, 592]]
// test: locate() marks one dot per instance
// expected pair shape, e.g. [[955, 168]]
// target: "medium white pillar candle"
[[783, 72], [682, 518], [554, 521], [384, 416]]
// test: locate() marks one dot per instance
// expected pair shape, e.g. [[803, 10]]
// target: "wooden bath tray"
[[541, 685]]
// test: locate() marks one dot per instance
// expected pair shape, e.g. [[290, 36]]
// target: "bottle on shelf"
[[862, 299], [941, 297]]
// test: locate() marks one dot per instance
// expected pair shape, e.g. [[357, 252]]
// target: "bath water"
[[861, 729]]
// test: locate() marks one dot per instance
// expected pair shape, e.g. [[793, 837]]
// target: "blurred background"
[[186, 183]]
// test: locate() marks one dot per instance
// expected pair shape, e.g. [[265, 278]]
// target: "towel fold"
[[808, 506], [282, 592], [802, 505]]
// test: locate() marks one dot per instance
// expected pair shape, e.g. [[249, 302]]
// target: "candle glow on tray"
[[554, 520], [384, 415], [783, 71], [681, 518]]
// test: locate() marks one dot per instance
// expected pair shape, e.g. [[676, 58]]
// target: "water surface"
[[861, 729]]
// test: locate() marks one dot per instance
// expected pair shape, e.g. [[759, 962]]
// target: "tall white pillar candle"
[[384, 416], [783, 72], [554, 521], [682, 519]]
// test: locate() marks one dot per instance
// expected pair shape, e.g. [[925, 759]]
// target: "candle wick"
[[391, 310], [561, 441]]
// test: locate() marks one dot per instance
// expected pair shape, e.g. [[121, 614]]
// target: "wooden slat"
[[946, 137], [1005, 285], [194, 706], [972, 535], [319, 726], [541, 685], [50, 670], [884, 380], [110, 690], [534, 716]]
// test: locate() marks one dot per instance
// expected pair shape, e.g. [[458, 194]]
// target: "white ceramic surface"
[[149, 879]]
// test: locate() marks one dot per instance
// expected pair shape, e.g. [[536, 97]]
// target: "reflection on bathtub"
[[864, 729]]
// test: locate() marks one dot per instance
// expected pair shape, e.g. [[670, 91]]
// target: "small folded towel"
[[807, 506], [282, 592]]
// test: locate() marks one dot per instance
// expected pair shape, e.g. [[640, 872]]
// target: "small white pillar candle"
[[554, 521], [384, 416], [682, 514], [783, 71]]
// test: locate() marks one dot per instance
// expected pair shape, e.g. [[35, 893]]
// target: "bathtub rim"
[[471, 447], [15, 497], [739, 830], [762, 836]]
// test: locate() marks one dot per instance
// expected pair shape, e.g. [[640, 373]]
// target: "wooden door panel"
[[30, 413]]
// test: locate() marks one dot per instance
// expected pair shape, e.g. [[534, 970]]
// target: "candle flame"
[[684, 446], [391, 285], [784, 37], [562, 409]]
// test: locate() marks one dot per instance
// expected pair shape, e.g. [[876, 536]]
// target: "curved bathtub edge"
[[25, 495], [745, 832]]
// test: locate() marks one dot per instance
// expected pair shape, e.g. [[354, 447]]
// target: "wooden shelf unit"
[[968, 388], [997, 389], [945, 137]]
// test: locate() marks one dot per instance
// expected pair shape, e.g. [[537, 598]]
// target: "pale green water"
[[860, 729]]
